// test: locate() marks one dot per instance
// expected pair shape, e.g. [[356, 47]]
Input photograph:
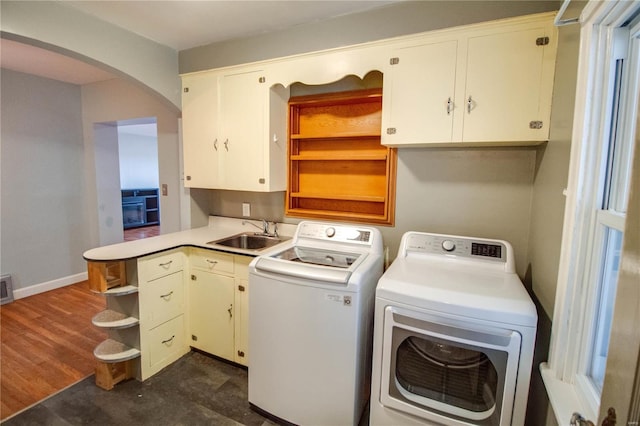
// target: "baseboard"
[[19, 293]]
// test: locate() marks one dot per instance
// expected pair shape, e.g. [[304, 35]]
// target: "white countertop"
[[219, 227]]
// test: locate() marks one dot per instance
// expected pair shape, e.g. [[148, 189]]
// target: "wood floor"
[[142, 232], [47, 344], [48, 340]]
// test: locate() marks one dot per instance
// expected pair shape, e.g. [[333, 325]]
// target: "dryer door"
[[444, 369]]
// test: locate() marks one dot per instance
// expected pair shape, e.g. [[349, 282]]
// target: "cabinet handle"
[[449, 106], [165, 264], [469, 105], [215, 144], [169, 340], [226, 144], [212, 262], [230, 311], [166, 296]]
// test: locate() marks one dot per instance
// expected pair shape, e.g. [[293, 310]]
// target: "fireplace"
[[133, 212]]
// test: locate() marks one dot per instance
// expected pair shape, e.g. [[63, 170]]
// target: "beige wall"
[[114, 100], [44, 226], [547, 208], [401, 18]]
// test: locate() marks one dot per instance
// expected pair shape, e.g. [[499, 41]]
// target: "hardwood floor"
[[142, 232], [48, 340], [47, 344]]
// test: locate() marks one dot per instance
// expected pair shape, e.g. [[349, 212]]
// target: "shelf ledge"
[[118, 291], [361, 198], [344, 157], [113, 351], [113, 319]]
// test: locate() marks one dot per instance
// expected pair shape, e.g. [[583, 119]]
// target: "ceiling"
[[178, 24]]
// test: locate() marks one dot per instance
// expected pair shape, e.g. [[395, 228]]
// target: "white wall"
[[107, 189], [44, 226], [119, 100], [138, 157], [54, 26]]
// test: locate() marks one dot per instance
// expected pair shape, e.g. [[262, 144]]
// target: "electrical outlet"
[[246, 209]]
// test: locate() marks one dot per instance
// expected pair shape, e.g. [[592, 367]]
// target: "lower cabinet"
[[162, 296], [164, 344], [218, 304], [162, 304]]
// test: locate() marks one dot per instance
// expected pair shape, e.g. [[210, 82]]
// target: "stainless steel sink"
[[248, 241]]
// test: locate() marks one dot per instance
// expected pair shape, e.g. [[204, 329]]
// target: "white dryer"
[[454, 335]]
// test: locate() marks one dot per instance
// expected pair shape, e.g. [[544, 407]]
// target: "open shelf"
[[337, 165], [113, 351], [113, 319], [106, 275]]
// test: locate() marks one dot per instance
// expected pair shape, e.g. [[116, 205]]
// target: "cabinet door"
[[419, 93], [201, 144], [242, 310], [241, 355], [243, 104], [503, 87], [211, 313]]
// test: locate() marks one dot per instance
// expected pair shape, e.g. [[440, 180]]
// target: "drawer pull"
[[170, 340], [212, 262], [165, 264], [166, 296]]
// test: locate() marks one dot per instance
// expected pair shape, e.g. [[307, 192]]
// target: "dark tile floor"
[[195, 390]]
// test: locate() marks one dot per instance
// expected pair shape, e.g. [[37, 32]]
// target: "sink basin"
[[248, 241]]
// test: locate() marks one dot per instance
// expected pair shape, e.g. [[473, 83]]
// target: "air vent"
[[6, 289]]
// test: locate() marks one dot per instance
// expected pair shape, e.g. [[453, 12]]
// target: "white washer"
[[311, 324], [454, 335]]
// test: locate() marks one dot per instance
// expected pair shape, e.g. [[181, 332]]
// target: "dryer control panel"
[[453, 245]]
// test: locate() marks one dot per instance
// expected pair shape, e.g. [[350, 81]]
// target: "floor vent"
[[6, 289]]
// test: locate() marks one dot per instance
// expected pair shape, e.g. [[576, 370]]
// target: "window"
[[597, 195]]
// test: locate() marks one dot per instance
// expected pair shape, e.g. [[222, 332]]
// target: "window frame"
[[571, 338]]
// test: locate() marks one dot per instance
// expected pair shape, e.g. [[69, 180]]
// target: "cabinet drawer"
[[163, 299], [212, 261], [166, 342], [161, 264]]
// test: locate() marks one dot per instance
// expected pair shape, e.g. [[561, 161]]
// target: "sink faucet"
[[264, 228]]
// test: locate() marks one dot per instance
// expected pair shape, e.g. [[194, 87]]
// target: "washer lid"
[[320, 265], [316, 256], [459, 289]]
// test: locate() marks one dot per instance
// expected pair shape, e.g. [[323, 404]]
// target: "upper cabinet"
[[200, 130], [234, 131], [419, 94], [483, 84], [488, 84]]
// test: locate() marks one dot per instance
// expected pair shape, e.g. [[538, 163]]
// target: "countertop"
[[218, 227]]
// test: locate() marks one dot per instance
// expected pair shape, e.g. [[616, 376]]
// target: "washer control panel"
[[335, 232], [492, 250]]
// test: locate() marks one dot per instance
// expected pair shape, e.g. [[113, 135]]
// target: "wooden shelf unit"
[[337, 167], [106, 275]]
